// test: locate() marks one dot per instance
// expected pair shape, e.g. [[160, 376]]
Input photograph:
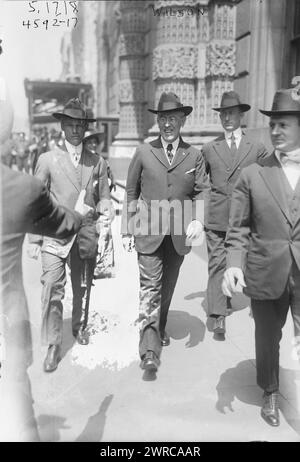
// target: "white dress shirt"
[[290, 168], [237, 133], [75, 152], [174, 144]]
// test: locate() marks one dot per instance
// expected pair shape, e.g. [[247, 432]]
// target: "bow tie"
[[286, 158]]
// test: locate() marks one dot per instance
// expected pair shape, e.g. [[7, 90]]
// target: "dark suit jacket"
[[262, 238], [162, 198], [223, 174], [26, 208], [65, 182]]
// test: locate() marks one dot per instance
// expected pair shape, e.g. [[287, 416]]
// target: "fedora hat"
[[74, 109], [169, 102], [231, 99], [94, 134], [286, 101]]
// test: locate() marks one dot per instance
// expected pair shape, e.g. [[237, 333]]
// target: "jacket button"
[[227, 169]]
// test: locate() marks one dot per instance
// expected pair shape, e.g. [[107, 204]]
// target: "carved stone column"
[[194, 56], [220, 57], [131, 77], [175, 56]]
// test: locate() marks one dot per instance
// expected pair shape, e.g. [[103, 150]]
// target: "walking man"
[[73, 176], [224, 159], [165, 181], [263, 243]]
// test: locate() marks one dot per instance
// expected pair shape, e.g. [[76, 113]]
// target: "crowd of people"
[[22, 152], [252, 227]]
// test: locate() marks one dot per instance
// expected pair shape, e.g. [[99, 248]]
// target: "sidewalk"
[[205, 390]]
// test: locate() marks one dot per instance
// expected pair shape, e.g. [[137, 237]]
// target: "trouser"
[[54, 280], [158, 276], [217, 302], [270, 317]]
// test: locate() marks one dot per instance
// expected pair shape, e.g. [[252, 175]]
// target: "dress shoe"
[[165, 339], [219, 325], [52, 359], [150, 362], [269, 411], [82, 337]]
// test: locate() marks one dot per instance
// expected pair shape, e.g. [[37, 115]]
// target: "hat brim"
[[99, 136], [243, 107], [185, 109], [60, 116], [273, 113]]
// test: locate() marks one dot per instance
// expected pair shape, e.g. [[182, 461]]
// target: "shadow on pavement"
[[49, 426], [239, 383], [181, 324], [93, 431], [68, 339], [149, 376]]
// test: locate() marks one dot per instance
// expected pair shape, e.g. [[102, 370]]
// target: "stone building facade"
[[131, 51]]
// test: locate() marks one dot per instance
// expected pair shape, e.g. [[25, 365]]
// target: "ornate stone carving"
[[134, 20], [220, 59], [131, 44], [132, 68], [224, 22], [175, 62], [131, 91]]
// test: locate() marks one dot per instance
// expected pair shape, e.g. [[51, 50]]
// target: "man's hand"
[[194, 230], [80, 206], [33, 251], [233, 278], [128, 243]]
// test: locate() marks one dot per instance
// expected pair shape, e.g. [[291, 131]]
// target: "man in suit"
[[224, 158], [263, 243], [26, 207], [70, 173], [164, 183]]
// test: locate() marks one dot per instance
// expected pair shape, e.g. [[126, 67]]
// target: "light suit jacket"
[[65, 182]]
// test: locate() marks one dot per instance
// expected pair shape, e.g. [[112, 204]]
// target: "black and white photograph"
[[150, 223]]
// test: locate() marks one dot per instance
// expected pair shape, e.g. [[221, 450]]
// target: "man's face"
[[231, 118], [285, 132], [74, 130], [169, 124]]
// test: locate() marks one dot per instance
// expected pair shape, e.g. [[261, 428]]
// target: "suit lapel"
[[271, 175], [223, 151], [158, 151], [68, 168], [180, 155], [87, 166], [242, 152]]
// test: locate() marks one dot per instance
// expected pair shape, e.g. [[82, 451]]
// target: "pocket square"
[[190, 171]]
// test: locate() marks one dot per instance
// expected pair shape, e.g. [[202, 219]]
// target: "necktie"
[[169, 152], [76, 158], [233, 147]]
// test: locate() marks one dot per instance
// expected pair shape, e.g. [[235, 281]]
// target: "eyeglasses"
[[171, 119]]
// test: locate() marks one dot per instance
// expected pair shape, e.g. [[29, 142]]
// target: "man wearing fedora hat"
[[263, 243], [224, 157], [76, 178], [164, 183]]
